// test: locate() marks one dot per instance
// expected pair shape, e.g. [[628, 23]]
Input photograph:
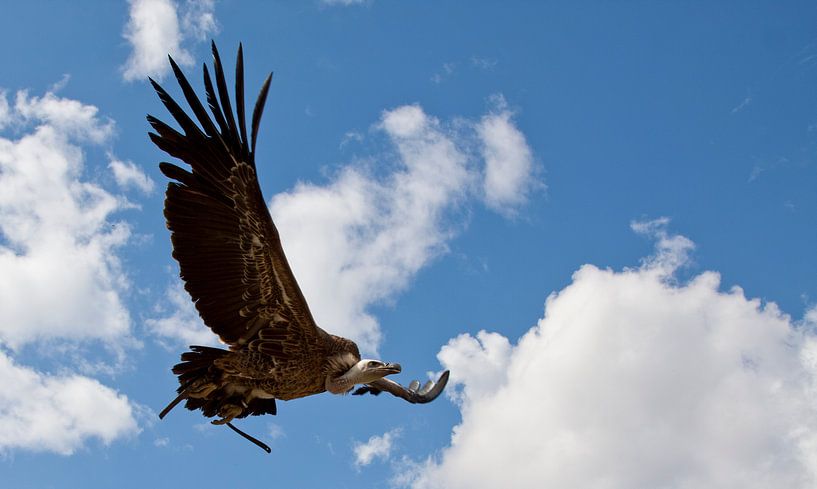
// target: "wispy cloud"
[[672, 251], [199, 19], [177, 322], [743, 104], [349, 137], [378, 446], [275, 431], [128, 175], [154, 31], [446, 70], [762, 166], [484, 63], [636, 380], [5, 110], [508, 160]]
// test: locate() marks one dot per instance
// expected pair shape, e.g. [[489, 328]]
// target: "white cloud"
[[66, 117], [127, 174], [199, 19], [154, 31], [508, 160], [5, 110], [275, 431], [487, 356], [349, 137], [59, 274], [58, 413], [634, 380], [811, 316], [60, 278], [57, 86], [376, 447], [671, 251], [182, 325], [360, 239]]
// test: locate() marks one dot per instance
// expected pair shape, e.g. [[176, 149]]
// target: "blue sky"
[[600, 216]]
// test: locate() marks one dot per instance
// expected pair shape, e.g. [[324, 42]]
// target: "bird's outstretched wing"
[[227, 246], [412, 394]]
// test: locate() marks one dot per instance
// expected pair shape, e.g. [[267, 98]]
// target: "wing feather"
[[223, 237], [259, 109], [239, 94]]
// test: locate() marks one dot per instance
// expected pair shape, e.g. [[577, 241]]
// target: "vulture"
[[234, 268]]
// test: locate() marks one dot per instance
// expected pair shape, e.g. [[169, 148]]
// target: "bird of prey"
[[235, 270]]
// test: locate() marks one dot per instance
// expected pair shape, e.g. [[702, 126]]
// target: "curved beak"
[[390, 368]]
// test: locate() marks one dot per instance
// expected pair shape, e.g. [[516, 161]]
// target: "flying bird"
[[235, 270]]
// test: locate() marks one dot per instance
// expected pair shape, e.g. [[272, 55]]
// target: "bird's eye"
[[373, 364]]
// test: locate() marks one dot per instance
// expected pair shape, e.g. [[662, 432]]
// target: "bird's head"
[[368, 370], [362, 372]]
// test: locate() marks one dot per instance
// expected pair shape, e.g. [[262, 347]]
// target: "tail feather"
[[194, 370]]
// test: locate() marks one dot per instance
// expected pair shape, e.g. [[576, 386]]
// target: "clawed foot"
[[228, 412]]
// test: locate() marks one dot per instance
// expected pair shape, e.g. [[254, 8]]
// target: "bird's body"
[[235, 270], [257, 375]]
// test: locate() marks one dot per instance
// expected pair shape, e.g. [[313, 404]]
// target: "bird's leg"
[[201, 392], [228, 412]]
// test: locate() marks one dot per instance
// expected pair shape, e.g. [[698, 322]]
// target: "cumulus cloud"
[[59, 273], [58, 413], [508, 160], [66, 117], [375, 447], [128, 175], [359, 240], [634, 380], [154, 31], [60, 278]]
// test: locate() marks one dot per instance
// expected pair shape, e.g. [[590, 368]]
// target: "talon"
[[228, 412]]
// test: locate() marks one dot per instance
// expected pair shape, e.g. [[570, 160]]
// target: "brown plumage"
[[235, 270]]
